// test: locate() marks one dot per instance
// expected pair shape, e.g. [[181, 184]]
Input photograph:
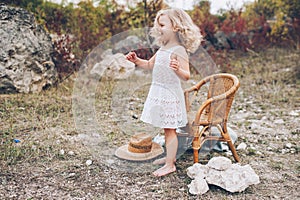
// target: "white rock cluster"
[[113, 66], [221, 172]]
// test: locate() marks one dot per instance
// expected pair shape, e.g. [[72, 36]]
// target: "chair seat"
[[204, 120]]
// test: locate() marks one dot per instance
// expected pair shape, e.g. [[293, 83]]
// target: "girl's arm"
[[180, 63], [146, 64]]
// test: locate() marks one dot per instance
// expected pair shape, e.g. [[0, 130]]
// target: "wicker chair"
[[214, 111]]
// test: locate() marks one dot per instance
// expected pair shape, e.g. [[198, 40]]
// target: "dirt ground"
[[50, 160]]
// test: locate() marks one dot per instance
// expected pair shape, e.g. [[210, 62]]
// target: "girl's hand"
[[132, 57], [174, 63]]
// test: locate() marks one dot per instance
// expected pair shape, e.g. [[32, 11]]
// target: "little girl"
[[176, 34]]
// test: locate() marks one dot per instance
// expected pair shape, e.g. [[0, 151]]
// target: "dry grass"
[[36, 168]]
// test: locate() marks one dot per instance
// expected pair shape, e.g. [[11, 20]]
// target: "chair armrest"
[[194, 88], [205, 104]]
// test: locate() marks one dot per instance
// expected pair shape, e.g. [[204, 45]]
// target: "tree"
[[204, 20], [283, 17]]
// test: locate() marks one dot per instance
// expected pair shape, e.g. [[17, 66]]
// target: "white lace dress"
[[165, 105]]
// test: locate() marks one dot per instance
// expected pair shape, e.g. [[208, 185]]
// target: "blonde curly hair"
[[188, 33]]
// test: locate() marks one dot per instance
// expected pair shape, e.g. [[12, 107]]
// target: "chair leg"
[[233, 150], [196, 156], [227, 138], [196, 146]]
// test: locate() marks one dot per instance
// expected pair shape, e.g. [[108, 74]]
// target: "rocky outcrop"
[[25, 55]]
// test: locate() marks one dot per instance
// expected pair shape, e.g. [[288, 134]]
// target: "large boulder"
[[25, 55], [222, 40]]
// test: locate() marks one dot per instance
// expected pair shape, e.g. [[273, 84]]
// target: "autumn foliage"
[[80, 28]]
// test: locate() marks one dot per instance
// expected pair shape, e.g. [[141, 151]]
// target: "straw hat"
[[139, 148]]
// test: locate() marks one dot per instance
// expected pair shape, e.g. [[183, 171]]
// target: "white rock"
[[279, 121], [253, 148], [269, 148], [198, 186], [254, 126], [71, 153], [293, 113], [284, 151], [62, 152], [292, 151], [288, 145], [71, 175], [88, 162], [219, 163], [264, 118], [241, 146], [114, 66], [197, 170], [235, 179]]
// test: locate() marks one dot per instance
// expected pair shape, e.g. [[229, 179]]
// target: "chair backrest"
[[220, 95], [222, 89]]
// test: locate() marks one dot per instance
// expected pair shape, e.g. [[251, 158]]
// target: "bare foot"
[[161, 161], [166, 169]]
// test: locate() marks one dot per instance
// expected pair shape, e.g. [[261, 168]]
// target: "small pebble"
[[279, 121], [288, 145], [283, 151], [110, 161], [62, 152], [72, 174], [269, 148], [293, 113], [88, 162], [135, 116], [241, 146]]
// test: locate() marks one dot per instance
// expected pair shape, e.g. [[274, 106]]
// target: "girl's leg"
[[171, 147], [161, 161]]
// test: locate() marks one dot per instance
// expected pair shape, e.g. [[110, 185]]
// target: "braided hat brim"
[[122, 152]]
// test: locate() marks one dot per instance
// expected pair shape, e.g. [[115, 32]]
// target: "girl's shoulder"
[[173, 48], [179, 50]]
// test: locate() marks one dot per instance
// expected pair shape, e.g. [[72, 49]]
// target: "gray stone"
[[25, 55], [242, 146], [222, 40], [113, 66]]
